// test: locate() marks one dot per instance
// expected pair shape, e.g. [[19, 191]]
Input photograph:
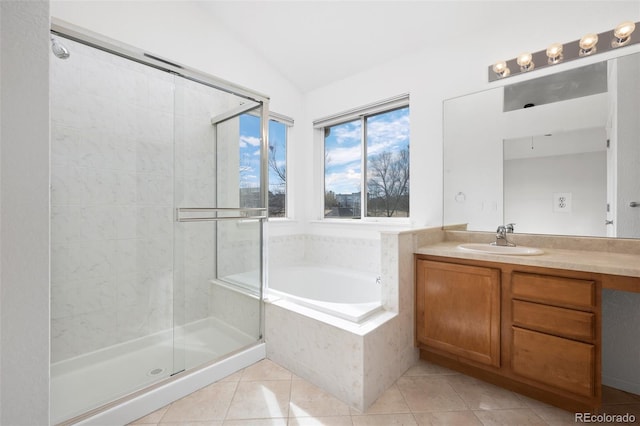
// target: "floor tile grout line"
[[289, 400], [235, 391], [404, 398], [459, 396]]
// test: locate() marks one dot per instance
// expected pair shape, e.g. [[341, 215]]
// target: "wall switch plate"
[[562, 202]]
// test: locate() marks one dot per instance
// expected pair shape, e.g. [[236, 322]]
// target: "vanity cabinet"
[[458, 310], [530, 329]]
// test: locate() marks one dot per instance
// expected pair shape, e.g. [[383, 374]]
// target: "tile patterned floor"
[[266, 394]]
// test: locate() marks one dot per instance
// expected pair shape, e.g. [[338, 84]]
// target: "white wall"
[[446, 69], [24, 221]]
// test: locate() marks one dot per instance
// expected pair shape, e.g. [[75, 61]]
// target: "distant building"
[[348, 205]]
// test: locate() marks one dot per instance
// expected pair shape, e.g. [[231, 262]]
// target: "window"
[[366, 161], [277, 168], [277, 162]]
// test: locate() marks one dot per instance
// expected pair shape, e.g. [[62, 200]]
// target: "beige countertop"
[[577, 260]]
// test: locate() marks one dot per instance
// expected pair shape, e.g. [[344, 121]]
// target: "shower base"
[[81, 384]]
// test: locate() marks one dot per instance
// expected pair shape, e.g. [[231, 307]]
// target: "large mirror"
[[559, 154]]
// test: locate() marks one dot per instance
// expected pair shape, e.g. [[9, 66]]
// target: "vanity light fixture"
[[622, 34], [556, 53], [525, 60], [588, 44], [501, 69]]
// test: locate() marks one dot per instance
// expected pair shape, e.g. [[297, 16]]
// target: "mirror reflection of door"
[[623, 80]]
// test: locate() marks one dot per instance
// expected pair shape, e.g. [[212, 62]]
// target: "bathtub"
[[343, 293], [337, 327]]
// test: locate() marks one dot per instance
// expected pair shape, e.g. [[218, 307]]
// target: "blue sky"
[[343, 151], [250, 150]]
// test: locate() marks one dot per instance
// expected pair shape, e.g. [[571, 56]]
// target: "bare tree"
[[389, 182], [277, 204], [279, 170]]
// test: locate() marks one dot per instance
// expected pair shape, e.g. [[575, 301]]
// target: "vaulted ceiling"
[[313, 43]]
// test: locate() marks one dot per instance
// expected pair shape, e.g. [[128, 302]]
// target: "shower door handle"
[[242, 214]]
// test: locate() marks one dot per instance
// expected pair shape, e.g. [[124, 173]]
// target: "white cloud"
[[344, 182], [347, 132], [341, 156], [249, 141], [386, 135]]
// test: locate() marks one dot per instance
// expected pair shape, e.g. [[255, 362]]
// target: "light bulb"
[[623, 33], [588, 44], [554, 53], [501, 69], [525, 60], [624, 30]]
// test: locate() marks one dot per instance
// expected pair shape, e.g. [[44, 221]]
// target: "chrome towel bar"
[[244, 214]]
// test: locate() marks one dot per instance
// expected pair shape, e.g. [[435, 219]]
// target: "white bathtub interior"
[[344, 293]]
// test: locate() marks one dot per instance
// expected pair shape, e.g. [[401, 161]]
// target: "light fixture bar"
[[604, 42]]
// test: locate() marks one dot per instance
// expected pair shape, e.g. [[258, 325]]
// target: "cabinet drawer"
[[550, 319], [558, 291], [557, 362]]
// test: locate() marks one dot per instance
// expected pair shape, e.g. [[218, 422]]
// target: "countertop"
[[577, 260]]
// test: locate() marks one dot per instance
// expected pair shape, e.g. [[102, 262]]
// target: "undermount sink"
[[494, 249]]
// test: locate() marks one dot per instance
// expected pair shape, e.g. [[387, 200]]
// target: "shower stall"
[[158, 194]]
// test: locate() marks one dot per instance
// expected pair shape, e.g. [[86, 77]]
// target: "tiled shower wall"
[[120, 130], [111, 201]]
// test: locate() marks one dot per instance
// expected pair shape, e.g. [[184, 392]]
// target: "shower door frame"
[[89, 38]]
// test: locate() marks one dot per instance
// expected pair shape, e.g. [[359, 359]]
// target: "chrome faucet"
[[501, 235]]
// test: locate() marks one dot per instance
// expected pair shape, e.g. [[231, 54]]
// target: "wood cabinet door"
[[458, 310]]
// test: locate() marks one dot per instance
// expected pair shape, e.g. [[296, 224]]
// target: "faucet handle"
[[509, 227]]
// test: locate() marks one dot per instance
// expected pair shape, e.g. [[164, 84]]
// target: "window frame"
[[288, 122], [359, 114]]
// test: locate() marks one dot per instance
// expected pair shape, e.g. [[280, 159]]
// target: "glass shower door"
[[156, 223], [216, 233], [111, 228]]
